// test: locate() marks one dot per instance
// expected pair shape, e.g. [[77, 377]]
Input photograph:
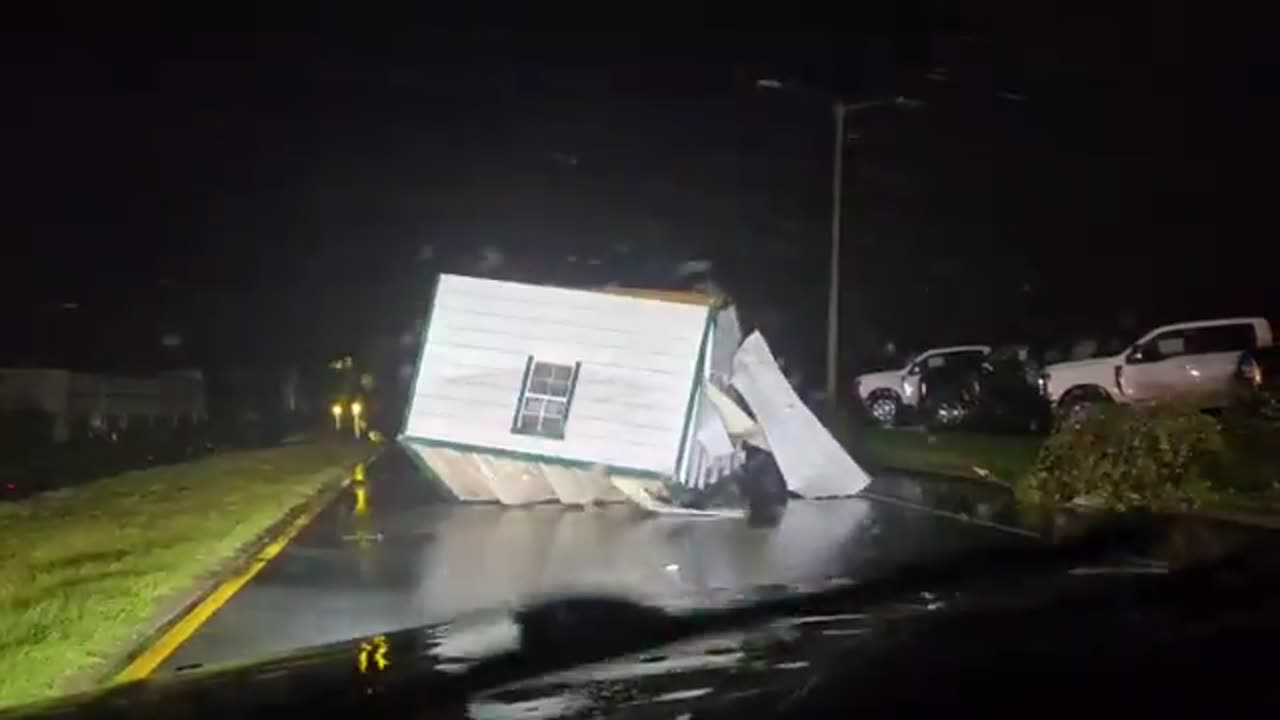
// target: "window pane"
[[553, 409], [544, 403], [1221, 338], [1170, 345]]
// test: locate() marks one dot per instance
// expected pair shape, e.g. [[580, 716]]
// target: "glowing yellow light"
[[336, 410], [356, 408], [379, 648], [358, 474], [362, 501]]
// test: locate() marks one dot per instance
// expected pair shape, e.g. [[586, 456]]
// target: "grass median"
[[85, 570], [1006, 458]]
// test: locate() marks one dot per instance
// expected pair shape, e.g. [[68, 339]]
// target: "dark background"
[[283, 198]]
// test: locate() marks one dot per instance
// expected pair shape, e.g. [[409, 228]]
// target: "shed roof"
[[688, 297]]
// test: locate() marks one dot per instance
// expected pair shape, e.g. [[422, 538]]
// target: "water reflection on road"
[[389, 555], [488, 556]]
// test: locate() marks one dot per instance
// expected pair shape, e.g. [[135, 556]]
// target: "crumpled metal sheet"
[[736, 421], [812, 462]]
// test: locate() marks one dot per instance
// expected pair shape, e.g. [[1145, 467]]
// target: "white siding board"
[[489, 346], [606, 449], [468, 290], [637, 360], [465, 328]]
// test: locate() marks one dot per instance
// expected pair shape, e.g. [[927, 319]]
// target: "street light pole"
[[833, 292], [841, 111]]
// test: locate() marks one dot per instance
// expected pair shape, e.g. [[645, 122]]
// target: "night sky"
[[279, 199]]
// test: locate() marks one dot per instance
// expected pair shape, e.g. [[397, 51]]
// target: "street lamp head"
[[769, 83], [336, 409], [356, 408]]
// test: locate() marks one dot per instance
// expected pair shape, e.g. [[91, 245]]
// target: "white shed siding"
[[637, 358]]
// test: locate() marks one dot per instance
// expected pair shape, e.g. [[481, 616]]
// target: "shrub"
[[1251, 463], [1258, 404], [1129, 456]]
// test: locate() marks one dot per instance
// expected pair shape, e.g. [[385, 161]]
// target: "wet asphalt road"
[[400, 556]]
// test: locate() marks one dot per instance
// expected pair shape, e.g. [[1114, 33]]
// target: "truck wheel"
[[1078, 402], [885, 407], [946, 414]]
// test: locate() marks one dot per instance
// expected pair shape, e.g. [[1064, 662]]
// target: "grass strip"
[[84, 570]]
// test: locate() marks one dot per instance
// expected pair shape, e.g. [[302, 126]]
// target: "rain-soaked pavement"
[[390, 554]]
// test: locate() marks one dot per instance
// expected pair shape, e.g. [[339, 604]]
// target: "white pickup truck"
[[1194, 362], [887, 392]]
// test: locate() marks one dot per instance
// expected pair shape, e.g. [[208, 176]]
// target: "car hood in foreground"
[[423, 666]]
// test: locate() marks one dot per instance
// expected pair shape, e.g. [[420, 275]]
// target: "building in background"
[[81, 402]]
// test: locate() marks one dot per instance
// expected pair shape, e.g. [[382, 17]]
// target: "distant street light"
[[356, 409], [840, 109], [337, 416]]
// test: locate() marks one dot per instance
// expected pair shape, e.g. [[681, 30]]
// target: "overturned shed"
[[529, 393]]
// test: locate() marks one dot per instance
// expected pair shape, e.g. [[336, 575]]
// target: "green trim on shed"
[[693, 392], [524, 386]]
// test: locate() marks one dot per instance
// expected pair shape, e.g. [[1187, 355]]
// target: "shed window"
[[545, 399]]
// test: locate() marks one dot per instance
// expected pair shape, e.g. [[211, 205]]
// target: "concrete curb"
[[173, 612], [974, 478]]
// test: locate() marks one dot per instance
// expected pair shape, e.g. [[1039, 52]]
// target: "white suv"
[[885, 393], [1193, 362]]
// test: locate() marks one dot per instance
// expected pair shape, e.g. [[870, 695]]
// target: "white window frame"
[[545, 400]]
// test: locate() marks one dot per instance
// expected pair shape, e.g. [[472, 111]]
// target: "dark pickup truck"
[[1258, 377]]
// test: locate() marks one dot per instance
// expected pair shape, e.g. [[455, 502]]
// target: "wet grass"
[[1247, 479], [83, 571], [1006, 458]]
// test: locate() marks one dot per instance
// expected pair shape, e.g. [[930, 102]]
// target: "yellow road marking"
[[378, 646], [166, 644]]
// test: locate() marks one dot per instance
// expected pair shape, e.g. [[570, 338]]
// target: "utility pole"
[[841, 110], [833, 292]]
